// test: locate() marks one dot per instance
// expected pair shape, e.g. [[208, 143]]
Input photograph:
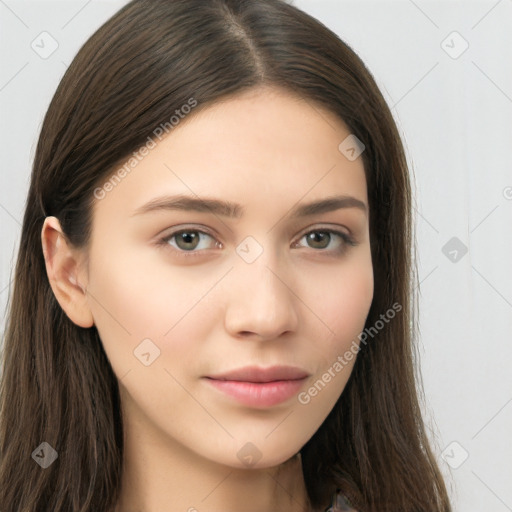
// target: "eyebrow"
[[236, 211]]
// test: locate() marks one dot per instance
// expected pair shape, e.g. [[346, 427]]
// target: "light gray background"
[[454, 110]]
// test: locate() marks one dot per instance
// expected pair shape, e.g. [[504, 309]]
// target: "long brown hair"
[[58, 387]]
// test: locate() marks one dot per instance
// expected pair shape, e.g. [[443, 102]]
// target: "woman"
[[212, 306]]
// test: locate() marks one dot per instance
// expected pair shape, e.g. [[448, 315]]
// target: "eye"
[[187, 242], [321, 238]]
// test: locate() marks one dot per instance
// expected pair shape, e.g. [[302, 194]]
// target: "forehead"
[[263, 145]]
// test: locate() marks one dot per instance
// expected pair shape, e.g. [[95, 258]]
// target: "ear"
[[63, 266]]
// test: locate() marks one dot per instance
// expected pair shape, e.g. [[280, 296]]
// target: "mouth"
[[260, 387], [258, 374]]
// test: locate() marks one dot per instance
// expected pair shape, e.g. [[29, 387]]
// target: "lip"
[[260, 387], [259, 374]]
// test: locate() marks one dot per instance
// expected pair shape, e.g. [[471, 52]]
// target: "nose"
[[261, 303]]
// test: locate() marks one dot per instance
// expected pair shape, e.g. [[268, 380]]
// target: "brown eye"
[[321, 239], [187, 240], [192, 242]]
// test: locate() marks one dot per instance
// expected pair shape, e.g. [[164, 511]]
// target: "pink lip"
[[258, 374], [260, 387], [258, 394]]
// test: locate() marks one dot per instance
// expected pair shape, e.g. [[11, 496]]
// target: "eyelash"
[[348, 241]]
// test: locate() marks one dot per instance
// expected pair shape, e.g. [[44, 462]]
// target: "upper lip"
[[258, 374]]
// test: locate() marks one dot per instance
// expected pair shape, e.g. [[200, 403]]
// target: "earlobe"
[[63, 265]]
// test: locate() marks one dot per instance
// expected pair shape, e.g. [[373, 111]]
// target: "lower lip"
[[258, 394]]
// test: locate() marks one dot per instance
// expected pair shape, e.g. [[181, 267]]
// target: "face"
[[179, 295]]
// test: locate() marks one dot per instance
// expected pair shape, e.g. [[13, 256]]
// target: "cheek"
[[134, 299], [342, 302], [345, 305]]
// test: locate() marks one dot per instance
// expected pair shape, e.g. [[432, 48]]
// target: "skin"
[[299, 303]]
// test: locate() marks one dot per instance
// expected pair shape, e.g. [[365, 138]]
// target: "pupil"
[[188, 237], [314, 236]]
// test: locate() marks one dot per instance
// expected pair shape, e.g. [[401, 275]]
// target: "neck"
[[161, 475]]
